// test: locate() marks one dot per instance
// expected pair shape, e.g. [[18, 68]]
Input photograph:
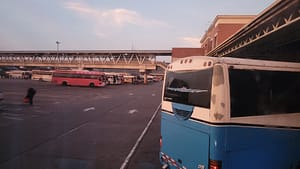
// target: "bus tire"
[[92, 85], [64, 83]]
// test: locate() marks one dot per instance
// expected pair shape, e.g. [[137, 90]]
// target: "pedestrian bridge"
[[115, 59]]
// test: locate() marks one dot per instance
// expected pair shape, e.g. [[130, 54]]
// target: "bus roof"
[[40, 70], [79, 72], [202, 62]]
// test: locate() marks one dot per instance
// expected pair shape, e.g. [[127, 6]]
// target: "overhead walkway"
[[117, 59]]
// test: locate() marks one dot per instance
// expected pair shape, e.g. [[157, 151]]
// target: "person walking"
[[30, 94]]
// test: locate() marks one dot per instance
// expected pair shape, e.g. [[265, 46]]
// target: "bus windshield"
[[189, 87]]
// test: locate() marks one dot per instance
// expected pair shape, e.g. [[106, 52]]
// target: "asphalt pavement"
[[79, 127]]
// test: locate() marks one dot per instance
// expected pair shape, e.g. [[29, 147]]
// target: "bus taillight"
[[215, 164]]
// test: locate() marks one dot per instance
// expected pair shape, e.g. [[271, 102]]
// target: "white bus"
[[114, 78], [230, 113], [18, 74], [42, 75]]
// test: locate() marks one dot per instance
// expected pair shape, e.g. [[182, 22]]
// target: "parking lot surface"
[[78, 127]]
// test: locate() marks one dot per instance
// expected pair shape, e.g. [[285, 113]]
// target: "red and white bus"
[[79, 78]]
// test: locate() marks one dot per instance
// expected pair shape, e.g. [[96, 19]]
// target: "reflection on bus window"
[[257, 92], [189, 87]]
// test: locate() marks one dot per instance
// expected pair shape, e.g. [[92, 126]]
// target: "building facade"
[[178, 53], [222, 27]]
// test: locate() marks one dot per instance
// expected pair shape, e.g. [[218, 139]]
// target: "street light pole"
[[57, 47]]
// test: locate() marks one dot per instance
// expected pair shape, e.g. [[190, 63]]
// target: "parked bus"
[[42, 75], [133, 79], [79, 78], [230, 113], [18, 74], [114, 78]]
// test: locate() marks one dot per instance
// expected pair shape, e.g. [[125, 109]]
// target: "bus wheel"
[[64, 83], [92, 85]]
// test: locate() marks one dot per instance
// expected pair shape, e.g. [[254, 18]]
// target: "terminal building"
[[222, 27]]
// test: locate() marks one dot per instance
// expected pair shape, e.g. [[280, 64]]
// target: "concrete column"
[[145, 78]]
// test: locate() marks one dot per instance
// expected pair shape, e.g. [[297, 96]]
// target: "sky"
[[113, 25]]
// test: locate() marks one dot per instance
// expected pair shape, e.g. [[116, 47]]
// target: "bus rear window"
[[189, 87], [259, 92]]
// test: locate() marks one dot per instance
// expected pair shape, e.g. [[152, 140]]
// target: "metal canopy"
[[272, 35]]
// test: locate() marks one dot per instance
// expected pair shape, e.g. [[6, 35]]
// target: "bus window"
[[259, 92], [189, 87]]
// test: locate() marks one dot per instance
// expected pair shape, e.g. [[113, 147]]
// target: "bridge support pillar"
[[144, 71], [145, 78]]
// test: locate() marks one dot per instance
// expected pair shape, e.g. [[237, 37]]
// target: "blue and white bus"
[[230, 113]]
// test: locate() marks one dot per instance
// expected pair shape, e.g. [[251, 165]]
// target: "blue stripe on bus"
[[237, 146]]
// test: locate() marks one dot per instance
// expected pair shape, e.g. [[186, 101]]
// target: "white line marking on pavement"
[[72, 130], [89, 109], [124, 165], [132, 111], [11, 114], [106, 97], [12, 118]]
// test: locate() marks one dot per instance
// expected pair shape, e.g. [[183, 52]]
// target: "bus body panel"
[[255, 147], [261, 148], [236, 146], [190, 139], [77, 82]]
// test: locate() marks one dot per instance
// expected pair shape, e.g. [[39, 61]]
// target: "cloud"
[[191, 41], [80, 8], [108, 20]]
